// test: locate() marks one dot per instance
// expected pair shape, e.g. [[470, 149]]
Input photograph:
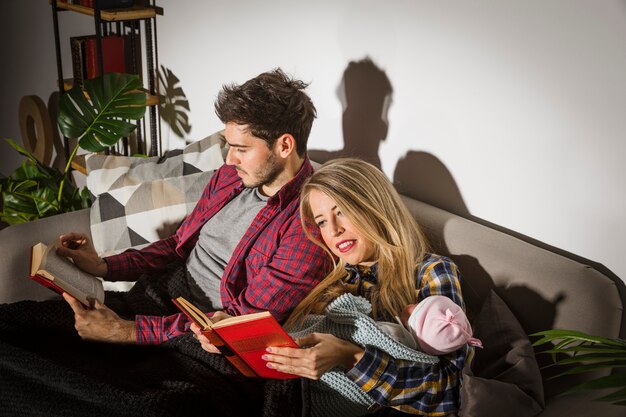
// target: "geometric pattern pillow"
[[141, 200]]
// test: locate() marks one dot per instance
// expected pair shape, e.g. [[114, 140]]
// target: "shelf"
[[150, 99], [79, 164], [113, 15]]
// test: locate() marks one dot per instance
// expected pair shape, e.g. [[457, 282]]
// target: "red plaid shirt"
[[272, 268]]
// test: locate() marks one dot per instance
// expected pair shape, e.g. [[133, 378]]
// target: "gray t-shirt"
[[216, 243]]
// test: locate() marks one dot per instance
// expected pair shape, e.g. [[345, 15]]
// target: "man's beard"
[[266, 174]]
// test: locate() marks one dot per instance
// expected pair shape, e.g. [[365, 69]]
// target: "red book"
[[91, 65], [243, 339], [113, 55]]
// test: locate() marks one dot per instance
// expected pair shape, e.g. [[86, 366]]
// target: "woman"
[[379, 253]]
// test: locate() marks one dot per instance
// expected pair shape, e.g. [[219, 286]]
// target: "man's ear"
[[285, 145]]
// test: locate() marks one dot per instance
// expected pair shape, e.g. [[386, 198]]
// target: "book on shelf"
[[79, 64], [61, 275], [104, 4], [85, 56], [113, 59], [242, 339], [132, 54]]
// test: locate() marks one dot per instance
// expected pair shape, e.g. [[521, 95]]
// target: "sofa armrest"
[[15, 243]]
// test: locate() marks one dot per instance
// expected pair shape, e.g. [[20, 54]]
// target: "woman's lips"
[[345, 245]]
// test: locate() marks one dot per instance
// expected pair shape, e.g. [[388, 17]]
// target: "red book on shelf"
[[113, 55], [242, 339]]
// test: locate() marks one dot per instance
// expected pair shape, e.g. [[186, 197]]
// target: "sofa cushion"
[[504, 378], [141, 200]]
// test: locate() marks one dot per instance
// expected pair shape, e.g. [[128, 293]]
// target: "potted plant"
[[98, 116], [581, 353]]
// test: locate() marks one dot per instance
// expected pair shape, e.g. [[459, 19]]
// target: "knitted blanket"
[[347, 317], [47, 370]]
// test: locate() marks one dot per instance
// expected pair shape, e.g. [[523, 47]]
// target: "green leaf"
[[591, 358], [580, 348], [21, 150], [18, 202], [588, 368], [574, 335], [610, 381], [16, 217], [103, 119], [31, 167]]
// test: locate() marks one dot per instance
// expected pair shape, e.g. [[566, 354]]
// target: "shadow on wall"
[[365, 93], [173, 104], [423, 176]]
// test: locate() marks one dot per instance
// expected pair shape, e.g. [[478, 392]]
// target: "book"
[[132, 54], [117, 56], [242, 339], [113, 55], [61, 275], [79, 59]]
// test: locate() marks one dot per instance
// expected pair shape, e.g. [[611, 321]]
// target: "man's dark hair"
[[271, 104]]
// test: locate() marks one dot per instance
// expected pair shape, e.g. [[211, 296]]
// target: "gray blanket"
[[347, 317]]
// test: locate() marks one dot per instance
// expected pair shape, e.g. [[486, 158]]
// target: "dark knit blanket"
[[47, 370]]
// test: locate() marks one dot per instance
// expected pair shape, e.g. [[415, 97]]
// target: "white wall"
[[522, 101]]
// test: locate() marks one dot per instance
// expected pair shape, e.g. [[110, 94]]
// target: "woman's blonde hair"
[[367, 198]]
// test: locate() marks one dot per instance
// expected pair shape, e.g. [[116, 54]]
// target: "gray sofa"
[[543, 289]]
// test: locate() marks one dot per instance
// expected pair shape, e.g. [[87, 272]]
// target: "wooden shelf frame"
[[113, 15]]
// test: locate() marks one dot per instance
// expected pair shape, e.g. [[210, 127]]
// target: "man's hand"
[[101, 323], [204, 341], [319, 353], [79, 248]]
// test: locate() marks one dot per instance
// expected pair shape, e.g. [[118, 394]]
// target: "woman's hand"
[[79, 248], [101, 323], [319, 353], [204, 341]]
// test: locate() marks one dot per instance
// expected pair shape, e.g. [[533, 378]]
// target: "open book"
[[242, 339], [61, 275]]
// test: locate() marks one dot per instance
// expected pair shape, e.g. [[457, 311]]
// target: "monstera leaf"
[[103, 118]]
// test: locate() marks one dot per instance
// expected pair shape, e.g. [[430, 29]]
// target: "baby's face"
[[406, 313]]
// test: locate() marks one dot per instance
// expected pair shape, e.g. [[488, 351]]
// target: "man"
[[242, 249]]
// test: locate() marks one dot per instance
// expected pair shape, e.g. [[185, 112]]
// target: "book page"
[[36, 254], [241, 319], [66, 275], [193, 312]]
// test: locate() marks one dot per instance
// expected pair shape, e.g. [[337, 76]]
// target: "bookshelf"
[[135, 12], [137, 22]]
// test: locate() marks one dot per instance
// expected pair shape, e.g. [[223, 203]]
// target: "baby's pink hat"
[[441, 326]]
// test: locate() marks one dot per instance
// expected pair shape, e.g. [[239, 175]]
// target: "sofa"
[[539, 287]]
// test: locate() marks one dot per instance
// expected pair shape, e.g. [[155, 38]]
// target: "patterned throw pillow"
[[141, 200]]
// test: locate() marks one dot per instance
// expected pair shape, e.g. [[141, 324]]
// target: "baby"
[[436, 326]]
